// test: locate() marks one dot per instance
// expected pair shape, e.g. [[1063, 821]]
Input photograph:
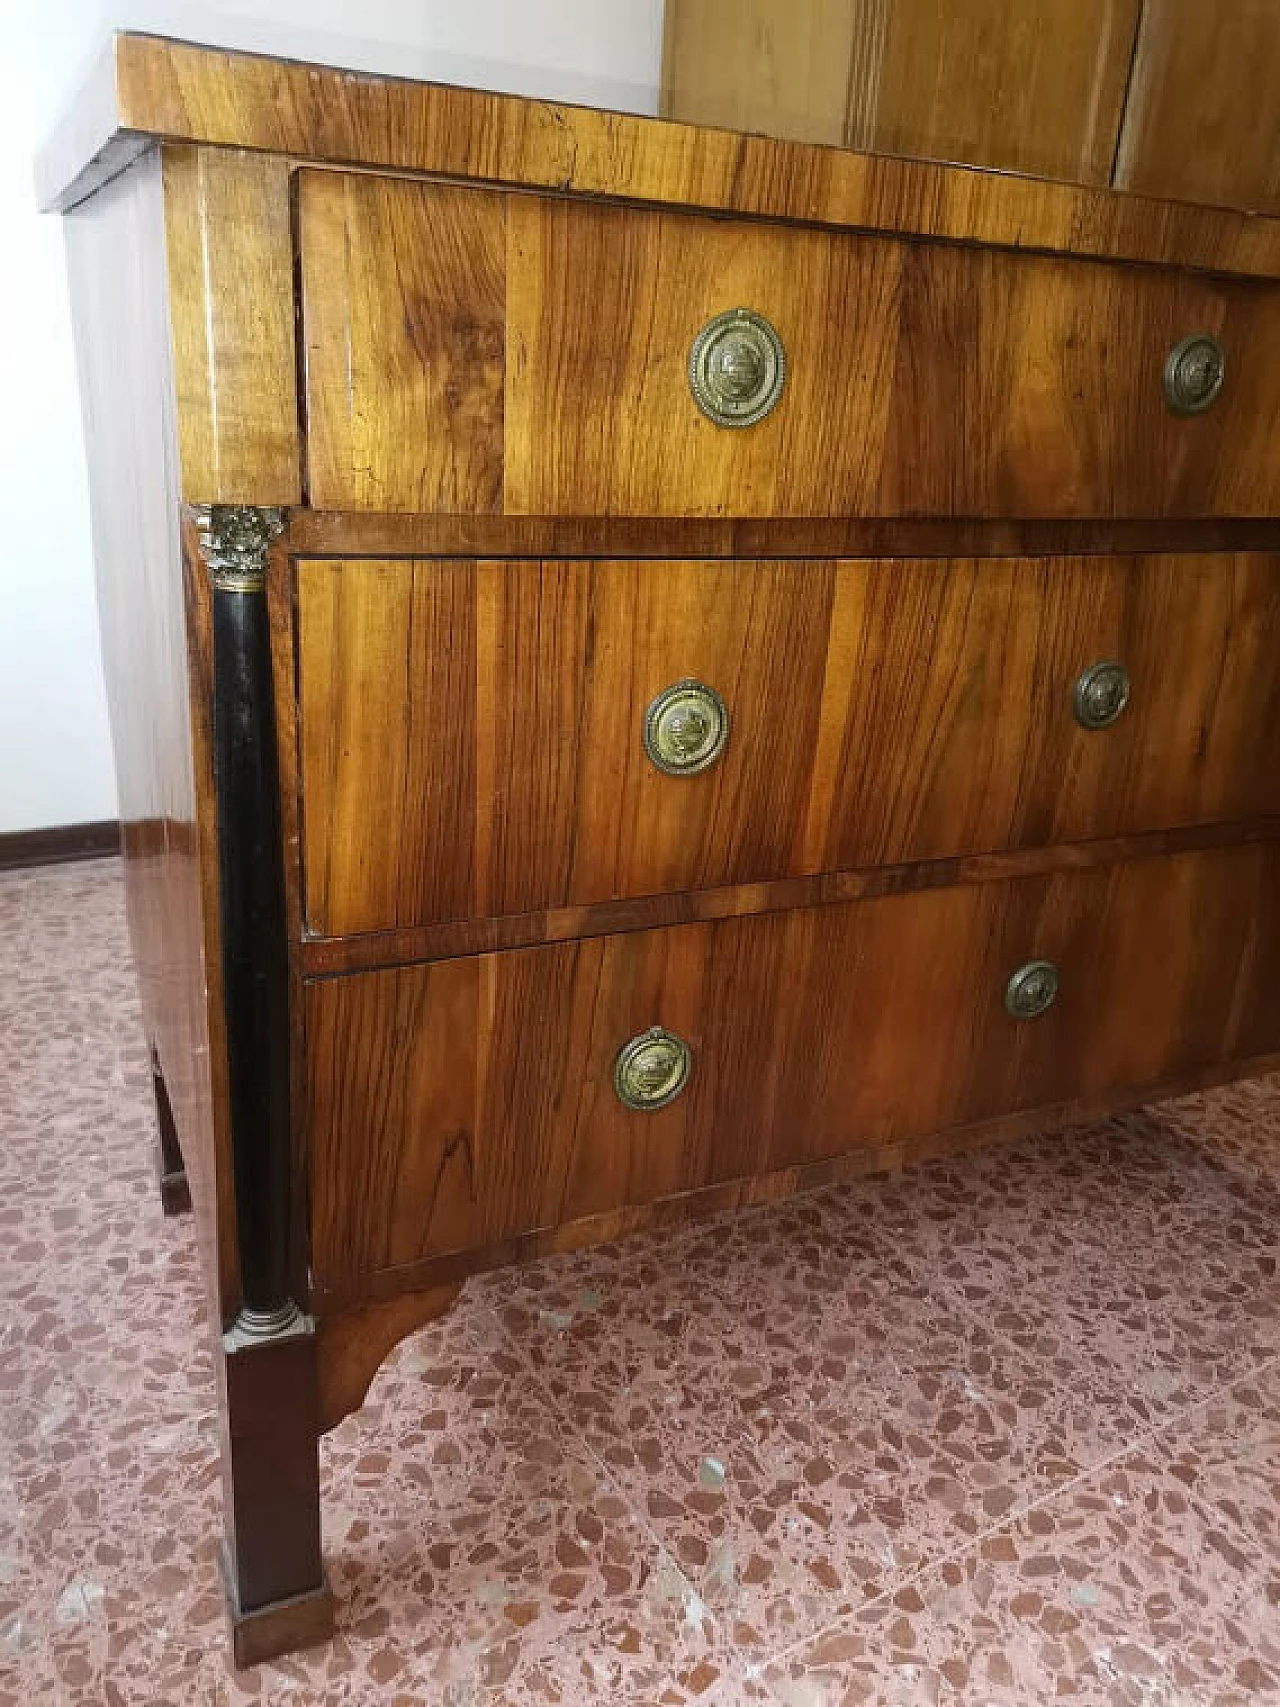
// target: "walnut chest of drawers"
[[649, 669]]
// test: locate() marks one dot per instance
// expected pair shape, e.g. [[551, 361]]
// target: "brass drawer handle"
[[652, 1069], [737, 368], [1032, 990], [685, 728], [1194, 374], [1101, 694]]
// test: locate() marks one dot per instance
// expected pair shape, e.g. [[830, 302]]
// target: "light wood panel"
[[230, 253], [471, 733], [1200, 124], [756, 65], [1023, 87], [924, 380], [462, 1103], [153, 635], [1026, 87], [404, 389], [315, 112]]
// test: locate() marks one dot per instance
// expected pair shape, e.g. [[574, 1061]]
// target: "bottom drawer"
[[458, 1103]]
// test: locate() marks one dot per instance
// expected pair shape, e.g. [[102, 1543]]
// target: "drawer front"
[[473, 734], [475, 352], [456, 1104]]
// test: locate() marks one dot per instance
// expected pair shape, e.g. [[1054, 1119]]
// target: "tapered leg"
[[277, 1596], [175, 1193]]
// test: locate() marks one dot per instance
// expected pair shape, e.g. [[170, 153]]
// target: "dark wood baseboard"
[[58, 845]]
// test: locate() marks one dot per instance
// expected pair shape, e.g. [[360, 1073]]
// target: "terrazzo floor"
[[1005, 1430]]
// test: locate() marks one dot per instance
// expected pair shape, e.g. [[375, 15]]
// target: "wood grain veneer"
[[471, 732], [323, 957], [923, 379], [367, 533], [230, 269], [433, 356], [154, 639], [466, 1102], [390, 1285], [237, 100]]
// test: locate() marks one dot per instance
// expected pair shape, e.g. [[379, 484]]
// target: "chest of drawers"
[[649, 669]]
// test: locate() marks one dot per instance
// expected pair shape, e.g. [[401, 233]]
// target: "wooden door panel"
[[988, 83]]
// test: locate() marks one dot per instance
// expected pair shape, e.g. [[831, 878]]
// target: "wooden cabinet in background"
[[1166, 97], [1202, 121]]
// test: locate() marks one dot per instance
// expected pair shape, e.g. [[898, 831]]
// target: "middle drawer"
[[485, 738]]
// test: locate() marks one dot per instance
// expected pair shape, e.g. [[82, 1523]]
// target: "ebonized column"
[[275, 1582]]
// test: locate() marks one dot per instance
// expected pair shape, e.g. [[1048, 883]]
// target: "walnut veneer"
[[407, 519]]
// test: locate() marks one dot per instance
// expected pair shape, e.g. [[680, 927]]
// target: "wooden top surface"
[[151, 87]]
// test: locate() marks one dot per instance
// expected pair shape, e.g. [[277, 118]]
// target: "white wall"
[[55, 757]]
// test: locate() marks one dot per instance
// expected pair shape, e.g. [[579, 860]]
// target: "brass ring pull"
[[651, 1069], [685, 728], [1032, 990], [1194, 374], [1101, 694], [737, 368]]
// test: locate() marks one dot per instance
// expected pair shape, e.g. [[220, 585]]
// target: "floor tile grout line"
[[568, 1423], [1017, 1516], [1034, 1359]]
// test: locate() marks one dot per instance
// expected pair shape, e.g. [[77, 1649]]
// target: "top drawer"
[[470, 351]]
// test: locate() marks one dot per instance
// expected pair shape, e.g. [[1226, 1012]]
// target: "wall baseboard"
[[61, 843]]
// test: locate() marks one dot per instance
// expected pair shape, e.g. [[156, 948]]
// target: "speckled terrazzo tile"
[[1166, 1329], [457, 1493], [819, 1331], [1236, 1129], [791, 1482], [1116, 1590], [1226, 1453]]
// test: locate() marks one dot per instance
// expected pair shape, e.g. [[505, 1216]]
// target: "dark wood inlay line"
[[326, 957], [347, 533]]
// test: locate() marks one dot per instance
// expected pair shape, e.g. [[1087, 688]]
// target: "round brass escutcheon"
[[1032, 990], [1194, 374], [737, 368], [652, 1069], [685, 729], [1101, 694]]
